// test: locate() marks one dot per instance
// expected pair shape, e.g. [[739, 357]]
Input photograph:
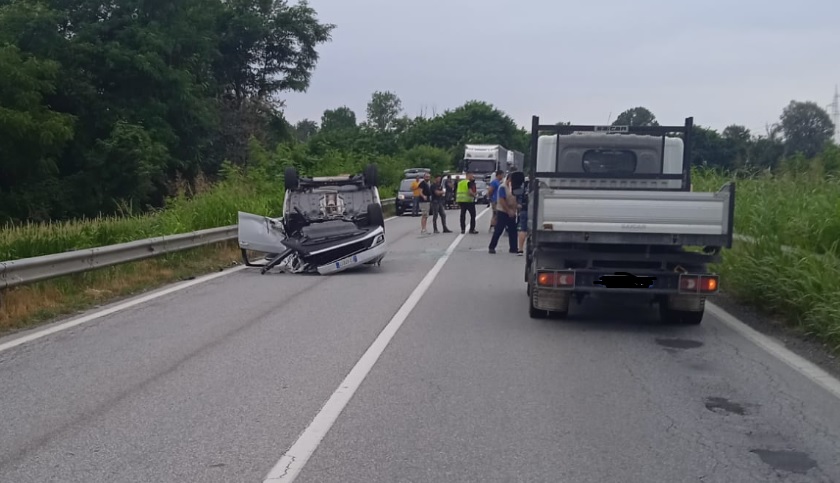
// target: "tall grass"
[[798, 210], [204, 207]]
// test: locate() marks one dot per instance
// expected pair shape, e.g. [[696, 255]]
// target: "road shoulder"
[[792, 338]]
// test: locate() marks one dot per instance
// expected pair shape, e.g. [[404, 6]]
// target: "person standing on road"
[[415, 191], [438, 205], [449, 190], [425, 189], [455, 183], [493, 196], [505, 218], [465, 197], [522, 215]]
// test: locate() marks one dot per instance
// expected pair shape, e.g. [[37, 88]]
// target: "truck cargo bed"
[[635, 217]]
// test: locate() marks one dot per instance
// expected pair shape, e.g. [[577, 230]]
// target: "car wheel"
[[371, 174], [375, 215]]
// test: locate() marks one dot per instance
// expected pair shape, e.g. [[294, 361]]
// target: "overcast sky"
[[723, 62]]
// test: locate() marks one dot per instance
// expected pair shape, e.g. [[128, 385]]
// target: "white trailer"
[[515, 161]]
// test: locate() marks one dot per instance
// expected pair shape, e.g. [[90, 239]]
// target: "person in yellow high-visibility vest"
[[465, 197]]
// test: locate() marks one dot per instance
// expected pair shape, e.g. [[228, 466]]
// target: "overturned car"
[[329, 225]]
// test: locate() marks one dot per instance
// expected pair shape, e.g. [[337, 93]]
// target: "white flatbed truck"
[[611, 210]]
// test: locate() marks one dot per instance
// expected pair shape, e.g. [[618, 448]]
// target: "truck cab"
[[483, 160], [626, 161], [611, 211]]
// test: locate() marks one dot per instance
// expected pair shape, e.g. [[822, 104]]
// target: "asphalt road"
[[217, 381]]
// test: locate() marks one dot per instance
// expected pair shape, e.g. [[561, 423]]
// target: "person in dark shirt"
[[425, 189], [438, 205], [522, 199]]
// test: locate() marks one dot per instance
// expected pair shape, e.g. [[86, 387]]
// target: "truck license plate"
[[625, 280], [346, 261]]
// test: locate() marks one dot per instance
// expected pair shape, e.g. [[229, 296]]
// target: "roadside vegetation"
[[112, 137], [795, 206]]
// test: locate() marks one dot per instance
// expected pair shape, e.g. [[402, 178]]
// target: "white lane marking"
[[777, 350], [292, 462], [116, 308]]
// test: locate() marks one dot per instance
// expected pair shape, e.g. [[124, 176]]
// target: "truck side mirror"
[[461, 166]]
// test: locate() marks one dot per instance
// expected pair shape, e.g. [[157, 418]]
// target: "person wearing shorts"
[[522, 228], [522, 217]]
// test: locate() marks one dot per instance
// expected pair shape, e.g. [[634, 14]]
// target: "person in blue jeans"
[[505, 218], [493, 193]]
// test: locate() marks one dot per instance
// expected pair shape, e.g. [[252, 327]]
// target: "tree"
[[806, 128], [32, 136], [187, 82], [436, 159], [737, 133], [268, 46], [709, 148], [474, 122], [637, 116], [337, 119], [383, 110], [766, 152], [739, 140], [305, 129]]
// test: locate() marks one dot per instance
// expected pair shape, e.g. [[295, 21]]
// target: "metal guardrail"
[[35, 269]]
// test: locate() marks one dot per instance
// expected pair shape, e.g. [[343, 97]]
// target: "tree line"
[[801, 140], [104, 104], [105, 108]]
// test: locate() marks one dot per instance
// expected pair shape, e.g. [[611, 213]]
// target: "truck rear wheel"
[[672, 309], [681, 317], [534, 312], [559, 303]]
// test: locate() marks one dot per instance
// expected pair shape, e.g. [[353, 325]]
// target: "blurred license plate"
[[346, 261]]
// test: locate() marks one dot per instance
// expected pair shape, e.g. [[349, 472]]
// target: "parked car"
[[405, 197], [481, 192], [412, 172], [329, 225]]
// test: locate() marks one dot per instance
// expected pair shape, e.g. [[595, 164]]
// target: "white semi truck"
[[515, 161], [484, 159], [611, 210]]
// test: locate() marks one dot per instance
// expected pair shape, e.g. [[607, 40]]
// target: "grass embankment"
[[803, 287], [209, 207]]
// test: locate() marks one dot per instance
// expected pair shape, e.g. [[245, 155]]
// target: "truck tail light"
[[698, 283], [556, 279]]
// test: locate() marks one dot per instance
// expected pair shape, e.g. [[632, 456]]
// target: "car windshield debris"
[[329, 225]]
